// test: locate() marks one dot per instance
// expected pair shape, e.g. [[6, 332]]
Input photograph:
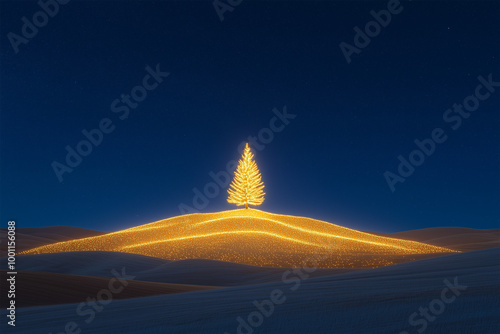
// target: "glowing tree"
[[246, 188]]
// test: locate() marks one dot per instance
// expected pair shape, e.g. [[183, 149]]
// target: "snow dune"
[[377, 300]]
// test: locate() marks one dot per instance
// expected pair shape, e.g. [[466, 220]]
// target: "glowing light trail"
[[329, 235], [221, 233]]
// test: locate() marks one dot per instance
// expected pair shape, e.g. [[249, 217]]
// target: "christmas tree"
[[247, 186]]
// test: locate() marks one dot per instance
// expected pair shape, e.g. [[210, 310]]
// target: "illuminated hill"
[[253, 237]]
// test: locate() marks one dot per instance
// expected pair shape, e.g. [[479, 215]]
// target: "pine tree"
[[247, 186]]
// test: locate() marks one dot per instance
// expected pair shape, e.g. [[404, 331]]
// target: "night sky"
[[352, 120]]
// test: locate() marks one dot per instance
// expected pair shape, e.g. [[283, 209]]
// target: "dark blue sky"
[[352, 120]]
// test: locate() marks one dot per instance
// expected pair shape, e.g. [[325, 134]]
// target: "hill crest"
[[254, 237]]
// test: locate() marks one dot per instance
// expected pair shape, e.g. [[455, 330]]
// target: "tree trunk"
[[246, 206]]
